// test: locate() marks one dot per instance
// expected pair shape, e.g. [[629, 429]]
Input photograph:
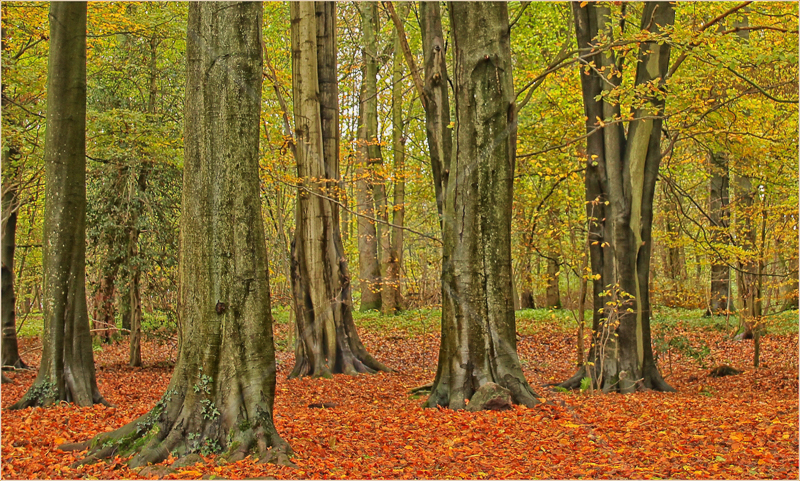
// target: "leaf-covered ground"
[[736, 427]]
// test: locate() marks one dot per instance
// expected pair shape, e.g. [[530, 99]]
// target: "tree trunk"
[[135, 347], [66, 371], [10, 206], [368, 195], [622, 173], [134, 289], [437, 103], [392, 297], [719, 213], [552, 294], [327, 340], [674, 256], [221, 393], [478, 343]]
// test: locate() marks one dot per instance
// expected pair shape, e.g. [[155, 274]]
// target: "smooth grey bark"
[[719, 215], [66, 372], [436, 98], [10, 206], [221, 393], [392, 296], [478, 343], [621, 170], [368, 195], [327, 340]]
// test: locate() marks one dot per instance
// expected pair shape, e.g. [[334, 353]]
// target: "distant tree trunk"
[[552, 294], [115, 246], [134, 289], [221, 393], [719, 213], [327, 339], [526, 300], [478, 343], [621, 171], [674, 258], [392, 297], [436, 100], [368, 196], [66, 371], [10, 206]]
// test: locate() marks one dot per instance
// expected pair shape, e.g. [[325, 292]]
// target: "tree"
[[370, 192], [620, 180], [66, 371], [221, 393], [719, 217], [10, 206], [327, 341], [478, 343], [391, 295]]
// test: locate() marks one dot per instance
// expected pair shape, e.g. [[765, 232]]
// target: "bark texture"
[[392, 297], [478, 327], [719, 214], [621, 170], [10, 206], [327, 341], [66, 371], [221, 393], [436, 99], [369, 196]]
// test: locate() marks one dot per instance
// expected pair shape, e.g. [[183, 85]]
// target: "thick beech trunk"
[[221, 393], [10, 205], [327, 341], [621, 170], [478, 343], [66, 371], [370, 199], [719, 213], [392, 297]]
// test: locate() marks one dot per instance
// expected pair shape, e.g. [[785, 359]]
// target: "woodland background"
[[726, 203]]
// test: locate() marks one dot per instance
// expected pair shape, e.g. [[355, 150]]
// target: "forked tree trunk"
[[66, 371], [478, 343], [435, 94], [719, 213], [392, 297], [10, 206], [622, 171], [221, 393], [368, 195], [327, 341]]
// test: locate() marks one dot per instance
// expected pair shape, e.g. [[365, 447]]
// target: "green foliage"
[[586, 384]]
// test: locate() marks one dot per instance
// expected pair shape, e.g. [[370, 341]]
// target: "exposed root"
[[424, 389]]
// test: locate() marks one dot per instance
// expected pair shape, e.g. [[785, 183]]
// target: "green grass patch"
[[532, 320], [781, 323], [30, 325], [416, 322]]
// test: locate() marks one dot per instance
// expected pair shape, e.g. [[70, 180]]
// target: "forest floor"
[[736, 427]]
